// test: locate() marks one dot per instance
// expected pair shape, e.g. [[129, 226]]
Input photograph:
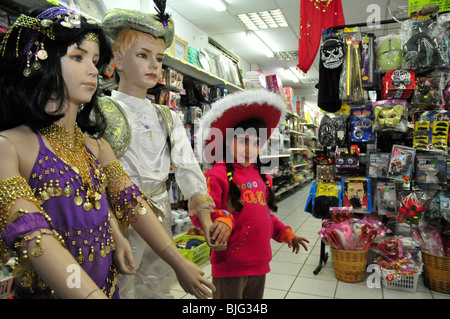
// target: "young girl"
[[243, 196], [62, 193]]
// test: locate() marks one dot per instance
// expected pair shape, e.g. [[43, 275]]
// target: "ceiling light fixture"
[[291, 75], [287, 55], [271, 19], [259, 44], [218, 5]]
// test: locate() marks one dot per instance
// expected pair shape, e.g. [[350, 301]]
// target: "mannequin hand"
[[296, 242], [123, 256], [220, 233], [191, 279], [204, 217]]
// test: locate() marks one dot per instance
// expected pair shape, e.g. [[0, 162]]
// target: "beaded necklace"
[[70, 148]]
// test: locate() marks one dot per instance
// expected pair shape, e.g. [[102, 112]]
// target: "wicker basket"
[[436, 272], [350, 266]]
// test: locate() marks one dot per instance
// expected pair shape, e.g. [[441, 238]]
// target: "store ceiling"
[[226, 28]]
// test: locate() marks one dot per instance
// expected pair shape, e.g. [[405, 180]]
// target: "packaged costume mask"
[[389, 53], [356, 193], [391, 115], [322, 196], [330, 68]]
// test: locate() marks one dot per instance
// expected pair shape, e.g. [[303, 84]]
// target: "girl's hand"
[[295, 243], [220, 233]]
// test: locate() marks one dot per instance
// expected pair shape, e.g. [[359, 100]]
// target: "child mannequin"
[[54, 209], [242, 194], [158, 139]]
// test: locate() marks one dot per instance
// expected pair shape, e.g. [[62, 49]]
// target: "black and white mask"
[[332, 53]]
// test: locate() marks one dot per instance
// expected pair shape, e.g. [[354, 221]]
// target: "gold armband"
[[125, 200]]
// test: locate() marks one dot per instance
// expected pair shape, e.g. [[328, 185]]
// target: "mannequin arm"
[[61, 272], [123, 255], [131, 208]]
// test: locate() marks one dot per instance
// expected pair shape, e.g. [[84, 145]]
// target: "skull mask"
[[332, 53]]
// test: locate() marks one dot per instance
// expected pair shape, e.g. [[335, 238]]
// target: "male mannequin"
[[140, 42]]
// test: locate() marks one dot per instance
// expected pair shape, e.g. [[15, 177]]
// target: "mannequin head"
[[29, 81], [138, 57]]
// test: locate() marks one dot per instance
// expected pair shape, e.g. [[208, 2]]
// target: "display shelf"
[[193, 71], [292, 186]]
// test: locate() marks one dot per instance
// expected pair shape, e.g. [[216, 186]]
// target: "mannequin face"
[[80, 72], [140, 65], [244, 149]]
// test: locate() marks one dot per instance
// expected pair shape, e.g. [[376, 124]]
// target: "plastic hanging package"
[[389, 52], [428, 93], [401, 163], [361, 124], [368, 61], [431, 130], [351, 85], [391, 115], [420, 50]]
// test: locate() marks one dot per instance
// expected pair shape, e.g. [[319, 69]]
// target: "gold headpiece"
[[92, 37], [39, 29]]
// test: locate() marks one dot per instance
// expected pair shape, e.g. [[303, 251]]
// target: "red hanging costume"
[[315, 16]]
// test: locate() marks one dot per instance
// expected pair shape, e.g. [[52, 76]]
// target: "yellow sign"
[[416, 5]]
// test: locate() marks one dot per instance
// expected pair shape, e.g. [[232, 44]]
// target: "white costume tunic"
[[147, 161]]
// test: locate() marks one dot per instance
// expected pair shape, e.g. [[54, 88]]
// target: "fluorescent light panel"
[[259, 44], [271, 19], [218, 5]]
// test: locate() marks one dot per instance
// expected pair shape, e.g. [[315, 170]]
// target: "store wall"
[[183, 28]]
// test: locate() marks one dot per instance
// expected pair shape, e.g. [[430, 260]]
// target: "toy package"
[[398, 84], [351, 85], [386, 198], [391, 115], [356, 193], [379, 164], [431, 130], [322, 196], [340, 214], [427, 93], [401, 163], [361, 124], [368, 62], [345, 158], [431, 168]]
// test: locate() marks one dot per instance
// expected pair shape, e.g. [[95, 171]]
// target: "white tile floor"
[[291, 275]]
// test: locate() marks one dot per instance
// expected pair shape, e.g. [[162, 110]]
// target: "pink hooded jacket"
[[248, 250]]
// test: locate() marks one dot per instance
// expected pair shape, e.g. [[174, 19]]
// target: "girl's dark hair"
[[233, 190], [23, 99]]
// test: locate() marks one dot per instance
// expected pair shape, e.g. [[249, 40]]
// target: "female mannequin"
[[59, 182]]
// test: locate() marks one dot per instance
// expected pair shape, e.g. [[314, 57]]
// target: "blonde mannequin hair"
[[127, 37]]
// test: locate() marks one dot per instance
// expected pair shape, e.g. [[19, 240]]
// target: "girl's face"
[[79, 70], [244, 149], [141, 63]]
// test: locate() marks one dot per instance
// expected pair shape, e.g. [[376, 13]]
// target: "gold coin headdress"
[[34, 31]]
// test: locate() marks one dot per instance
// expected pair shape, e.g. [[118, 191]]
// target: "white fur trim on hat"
[[241, 99]]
